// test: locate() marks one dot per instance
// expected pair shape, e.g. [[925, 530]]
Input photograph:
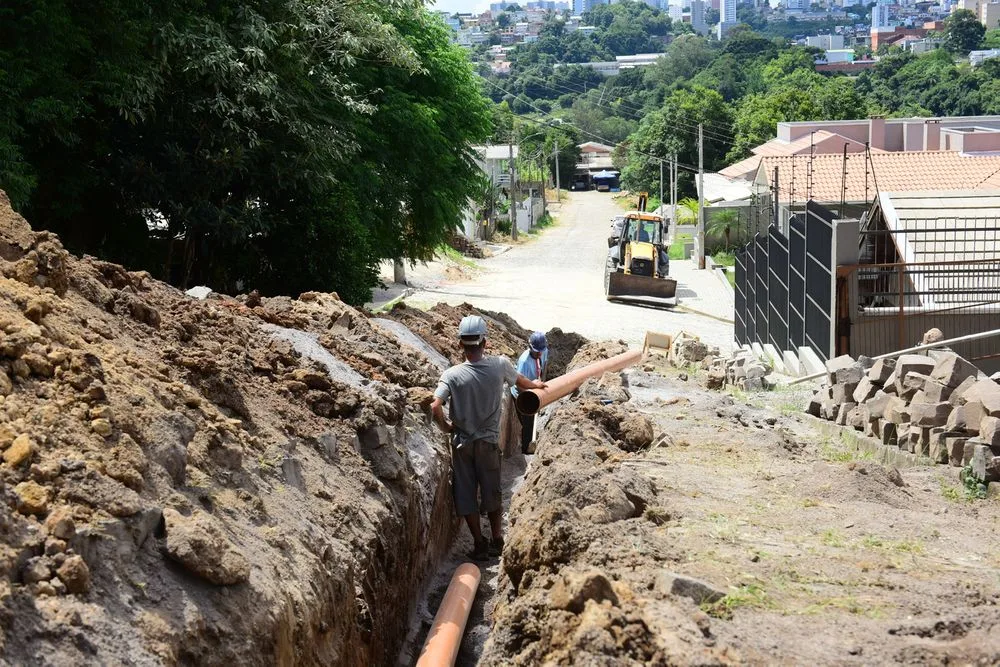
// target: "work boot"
[[496, 547], [481, 550]]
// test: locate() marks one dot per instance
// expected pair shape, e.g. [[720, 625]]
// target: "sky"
[[452, 6]]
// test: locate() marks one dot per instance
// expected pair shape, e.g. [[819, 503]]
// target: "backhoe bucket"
[[630, 286]]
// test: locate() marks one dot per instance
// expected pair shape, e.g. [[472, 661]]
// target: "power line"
[[687, 167]]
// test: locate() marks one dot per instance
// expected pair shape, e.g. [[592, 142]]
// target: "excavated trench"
[[216, 481]]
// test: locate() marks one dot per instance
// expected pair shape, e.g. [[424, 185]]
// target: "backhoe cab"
[[637, 266]]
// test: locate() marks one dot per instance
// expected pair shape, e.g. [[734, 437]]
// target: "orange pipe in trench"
[[531, 401], [445, 636]]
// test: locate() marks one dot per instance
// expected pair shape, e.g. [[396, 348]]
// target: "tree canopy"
[[284, 144], [963, 32], [738, 89]]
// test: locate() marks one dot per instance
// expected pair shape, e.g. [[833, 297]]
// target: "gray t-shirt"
[[475, 390]]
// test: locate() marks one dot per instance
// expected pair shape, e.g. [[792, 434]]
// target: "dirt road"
[[557, 279]]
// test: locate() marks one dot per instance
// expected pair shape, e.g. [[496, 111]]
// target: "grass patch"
[[445, 250], [656, 514], [840, 452], [676, 249], [748, 595], [874, 542], [832, 538], [724, 529], [543, 222], [723, 258], [969, 490], [849, 604]]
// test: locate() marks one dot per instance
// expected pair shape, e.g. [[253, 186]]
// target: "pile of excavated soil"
[[583, 562], [439, 325], [740, 535], [205, 482]]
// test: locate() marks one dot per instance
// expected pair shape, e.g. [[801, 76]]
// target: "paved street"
[[557, 280]]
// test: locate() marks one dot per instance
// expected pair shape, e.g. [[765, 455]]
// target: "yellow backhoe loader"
[[637, 267]]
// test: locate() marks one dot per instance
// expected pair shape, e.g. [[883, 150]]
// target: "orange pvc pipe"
[[445, 636], [531, 401]]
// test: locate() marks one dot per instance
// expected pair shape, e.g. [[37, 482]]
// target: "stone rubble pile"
[[937, 405], [742, 370]]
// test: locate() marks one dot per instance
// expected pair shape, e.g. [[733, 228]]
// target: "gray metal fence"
[[785, 285]]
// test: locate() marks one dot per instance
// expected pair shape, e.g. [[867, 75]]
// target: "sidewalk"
[[701, 290]]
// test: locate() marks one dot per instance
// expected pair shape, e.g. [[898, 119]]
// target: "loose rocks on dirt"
[[213, 481]]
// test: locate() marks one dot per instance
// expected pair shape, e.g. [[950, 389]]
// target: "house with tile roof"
[[849, 185], [928, 259], [868, 253], [968, 134]]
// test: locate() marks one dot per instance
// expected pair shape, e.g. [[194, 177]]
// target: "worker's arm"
[[437, 411], [525, 383]]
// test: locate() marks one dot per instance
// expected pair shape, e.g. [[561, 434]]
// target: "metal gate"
[[785, 284]]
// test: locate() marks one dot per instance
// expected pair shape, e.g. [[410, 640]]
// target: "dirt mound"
[[576, 593], [866, 482], [438, 326], [596, 351], [208, 481]]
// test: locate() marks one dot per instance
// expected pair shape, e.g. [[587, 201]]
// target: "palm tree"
[[722, 223], [687, 209], [487, 200]]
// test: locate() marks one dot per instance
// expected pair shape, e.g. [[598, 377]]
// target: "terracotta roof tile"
[[886, 172], [745, 168]]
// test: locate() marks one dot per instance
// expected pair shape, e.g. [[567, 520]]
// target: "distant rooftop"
[[887, 172]]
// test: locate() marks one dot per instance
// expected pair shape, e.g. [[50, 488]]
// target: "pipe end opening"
[[528, 402]]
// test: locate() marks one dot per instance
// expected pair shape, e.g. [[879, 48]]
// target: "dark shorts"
[[475, 467]]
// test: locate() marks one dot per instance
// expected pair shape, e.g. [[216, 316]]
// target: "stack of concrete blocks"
[[742, 370], [939, 406]]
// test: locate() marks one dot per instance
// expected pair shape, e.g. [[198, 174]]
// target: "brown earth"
[[183, 485], [439, 324], [742, 535]]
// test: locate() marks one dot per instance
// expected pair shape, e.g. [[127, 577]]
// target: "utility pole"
[[513, 192], [701, 198], [558, 191], [661, 188], [673, 196], [544, 179]]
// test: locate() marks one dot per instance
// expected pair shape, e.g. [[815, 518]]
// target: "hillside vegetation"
[[737, 89]]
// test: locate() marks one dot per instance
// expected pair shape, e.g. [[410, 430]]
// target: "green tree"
[[278, 144], [687, 210], [963, 32], [758, 115], [673, 129], [722, 223]]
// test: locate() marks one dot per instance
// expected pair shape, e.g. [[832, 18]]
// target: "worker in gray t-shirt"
[[474, 390]]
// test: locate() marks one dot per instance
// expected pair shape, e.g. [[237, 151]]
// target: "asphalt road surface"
[[557, 280]]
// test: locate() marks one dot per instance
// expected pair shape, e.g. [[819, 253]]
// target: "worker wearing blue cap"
[[532, 364], [473, 391]]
